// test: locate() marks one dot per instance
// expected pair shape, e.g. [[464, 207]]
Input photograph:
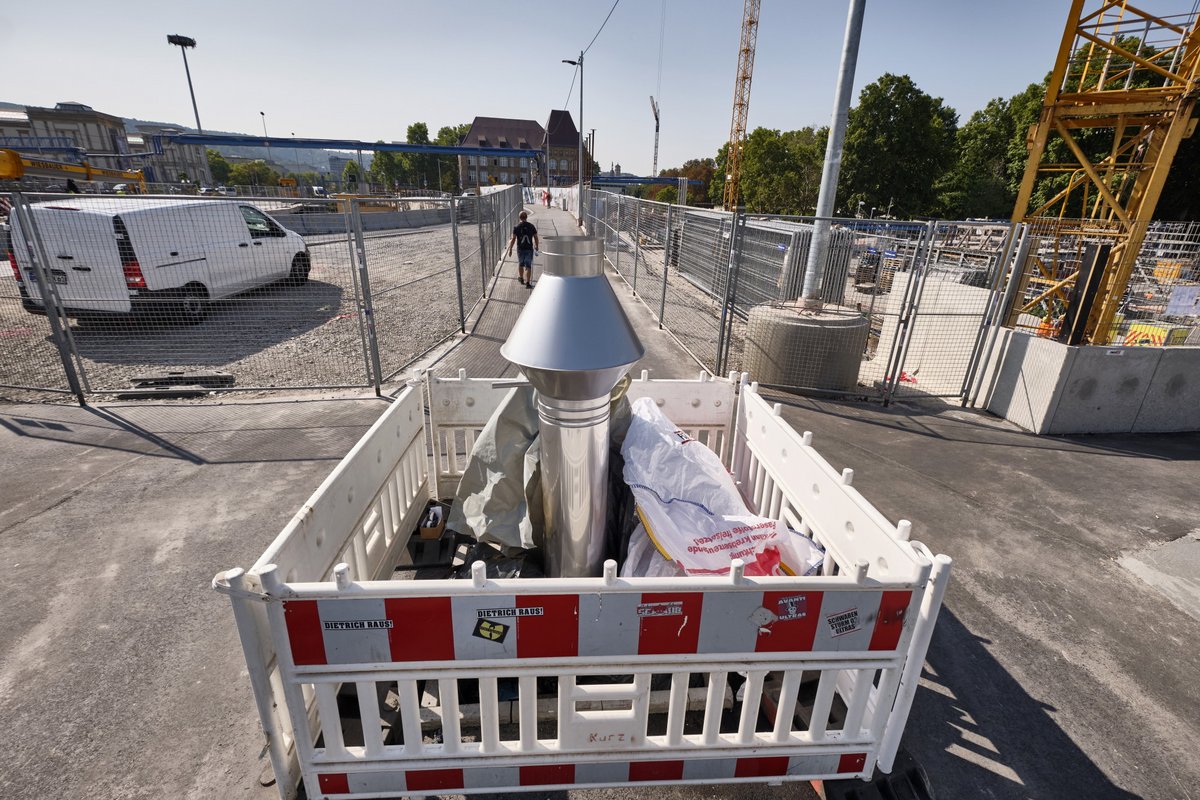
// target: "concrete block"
[[1029, 380], [1172, 401], [989, 367], [1104, 389]]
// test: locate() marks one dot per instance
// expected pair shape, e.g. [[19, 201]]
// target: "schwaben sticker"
[[357, 624], [536, 611], [792, 607], [492, 631], [660, 609], [843, 622]]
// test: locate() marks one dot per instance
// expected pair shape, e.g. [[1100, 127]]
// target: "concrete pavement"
[[1054, 671]]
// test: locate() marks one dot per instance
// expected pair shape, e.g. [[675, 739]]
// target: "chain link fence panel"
[[414, 279], [952, 290], [31, 368], [408, 246], [231, 293], [221, 293]]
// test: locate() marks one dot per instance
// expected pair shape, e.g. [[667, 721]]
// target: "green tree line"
[[906, 156]]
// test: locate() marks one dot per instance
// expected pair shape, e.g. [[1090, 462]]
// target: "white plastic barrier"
[[832, 661]]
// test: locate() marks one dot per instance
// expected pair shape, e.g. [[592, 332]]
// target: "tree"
[[218, 166], [419, 165], [387, 169], [781, 172], [899, 142], [449, 136], [253, 173], [351, 174], [716, 188], [980, 184], [695, 169]]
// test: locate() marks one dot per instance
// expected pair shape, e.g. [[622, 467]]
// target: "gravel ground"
[[277, 336]]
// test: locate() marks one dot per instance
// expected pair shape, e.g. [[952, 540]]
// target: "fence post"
[[617, 238], [483, 269], [792, 270], [59, 327], [988, 309], [637, 225], [735, 257], [662, 306], [368, 311], [462, 317]]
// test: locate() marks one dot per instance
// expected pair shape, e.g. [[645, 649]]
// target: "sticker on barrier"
[[369, 631]]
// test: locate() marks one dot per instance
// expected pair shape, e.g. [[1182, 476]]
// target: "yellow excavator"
[[14, 166]]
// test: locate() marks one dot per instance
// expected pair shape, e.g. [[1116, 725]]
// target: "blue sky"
[[368, 69]]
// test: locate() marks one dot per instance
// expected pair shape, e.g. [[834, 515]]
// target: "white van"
[[121, 255]]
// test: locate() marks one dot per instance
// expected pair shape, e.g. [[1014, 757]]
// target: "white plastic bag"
[[692, 510], [644, 561]]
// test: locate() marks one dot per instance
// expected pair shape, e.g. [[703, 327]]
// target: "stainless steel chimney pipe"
[[574, 342]]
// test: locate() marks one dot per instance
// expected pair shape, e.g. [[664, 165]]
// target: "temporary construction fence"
[[368, 686], [232, 293], [929, 293]]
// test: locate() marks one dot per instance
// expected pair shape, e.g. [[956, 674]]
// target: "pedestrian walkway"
[[479, 351]]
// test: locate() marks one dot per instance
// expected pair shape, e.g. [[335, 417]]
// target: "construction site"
[[325, 497]]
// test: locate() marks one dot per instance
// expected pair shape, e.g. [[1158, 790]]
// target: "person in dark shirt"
[[525, 237]]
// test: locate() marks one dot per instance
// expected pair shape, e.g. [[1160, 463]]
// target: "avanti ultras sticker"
[[843, 622], [792, 607]]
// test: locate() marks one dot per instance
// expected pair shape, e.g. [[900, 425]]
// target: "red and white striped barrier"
[[353, 674]]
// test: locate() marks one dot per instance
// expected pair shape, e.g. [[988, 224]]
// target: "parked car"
[[123, 255]]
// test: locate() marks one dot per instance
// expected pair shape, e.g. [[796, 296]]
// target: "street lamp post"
[[266, 136], [184, 42], [579, 63]]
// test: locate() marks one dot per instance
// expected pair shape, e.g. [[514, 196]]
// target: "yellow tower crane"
[[741, 102], [1120, 99]]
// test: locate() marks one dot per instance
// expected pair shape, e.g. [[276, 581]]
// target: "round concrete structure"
[[806, 350]]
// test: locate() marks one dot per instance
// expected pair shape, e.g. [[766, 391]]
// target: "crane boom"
[[14, 166], [741, 102]]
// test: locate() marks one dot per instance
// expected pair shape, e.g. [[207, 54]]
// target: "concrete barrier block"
[[1029, 379], [1104, 390], [1172, 401]]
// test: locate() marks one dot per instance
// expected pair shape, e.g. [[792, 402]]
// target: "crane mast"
[[1120, 99], [741, 102]]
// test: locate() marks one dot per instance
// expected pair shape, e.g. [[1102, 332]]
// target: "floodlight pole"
[[579, 64], [184, 42], [819, 249]]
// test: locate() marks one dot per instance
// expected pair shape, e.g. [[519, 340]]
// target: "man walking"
[[525, 237]]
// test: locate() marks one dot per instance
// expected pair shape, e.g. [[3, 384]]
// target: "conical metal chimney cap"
[[573, 340]]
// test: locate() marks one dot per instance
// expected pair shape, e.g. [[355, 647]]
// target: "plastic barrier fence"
[[372, 688]]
